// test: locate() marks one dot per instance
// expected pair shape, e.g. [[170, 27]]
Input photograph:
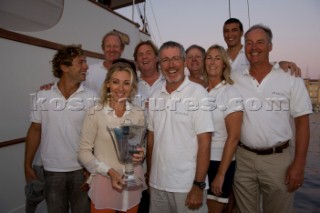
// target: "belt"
[[267, 151]]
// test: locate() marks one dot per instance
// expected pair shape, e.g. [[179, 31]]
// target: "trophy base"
[[132, 182]]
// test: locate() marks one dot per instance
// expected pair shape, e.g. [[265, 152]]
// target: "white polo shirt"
[[145, 90], [96, 75], [240, 62], [61, 123], [270, 105], [175, 127], [227, 100]]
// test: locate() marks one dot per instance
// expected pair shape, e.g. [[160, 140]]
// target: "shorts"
[[227, 184]]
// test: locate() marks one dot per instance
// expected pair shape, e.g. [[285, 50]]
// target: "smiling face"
[[257, 46], [194, 61], [112, 48], [77, 71], [172, 66], [120, 86], [146, 59], [232, 34], [214, 63]]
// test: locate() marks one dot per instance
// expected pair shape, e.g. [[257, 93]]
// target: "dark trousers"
[[34, 191], [63, 192], [145, 202]]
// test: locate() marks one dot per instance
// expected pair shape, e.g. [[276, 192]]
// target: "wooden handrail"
[[40, 42], [12, 142], [6, 34], [50, 45]]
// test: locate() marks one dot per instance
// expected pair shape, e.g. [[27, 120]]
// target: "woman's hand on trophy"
[[116, 180], [138, 156]]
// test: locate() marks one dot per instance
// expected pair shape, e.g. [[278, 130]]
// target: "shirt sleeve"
[[300, 103], [87, 140], [37, 105], [203, 118], [233, 101]]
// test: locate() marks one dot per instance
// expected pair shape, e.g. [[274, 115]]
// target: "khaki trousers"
[[173, 202], [259, 182]]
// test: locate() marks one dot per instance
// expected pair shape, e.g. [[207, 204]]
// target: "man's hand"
[[195, 198], [294, 177], [30, 175], [46, 86], [294, 69]]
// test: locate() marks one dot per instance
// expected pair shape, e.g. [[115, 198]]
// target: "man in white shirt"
[[113, 47], [272, 98], [149, 77], [179, 138], [56, 117], [232, 34], [149, 80]]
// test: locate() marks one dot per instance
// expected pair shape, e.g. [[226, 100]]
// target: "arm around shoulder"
[[290, 66]]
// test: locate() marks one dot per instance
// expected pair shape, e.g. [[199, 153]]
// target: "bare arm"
[[295, 172], [233, 124], [32, 144], [195, 196]]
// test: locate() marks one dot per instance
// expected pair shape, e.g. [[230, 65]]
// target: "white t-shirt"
[[61, 123], [227, 100], [176, 119], [270, 105], [96, 75]]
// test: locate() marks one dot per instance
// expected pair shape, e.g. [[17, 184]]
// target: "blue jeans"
[[63, 191]]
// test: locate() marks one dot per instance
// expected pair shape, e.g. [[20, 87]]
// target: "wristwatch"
[[201, 185]]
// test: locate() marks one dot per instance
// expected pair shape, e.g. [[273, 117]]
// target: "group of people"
[[224, 129]]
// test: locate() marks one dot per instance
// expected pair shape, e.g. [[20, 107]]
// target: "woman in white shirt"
[[227, 121]]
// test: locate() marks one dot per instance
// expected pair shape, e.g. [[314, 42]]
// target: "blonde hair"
[[227, 67], [116, 67]]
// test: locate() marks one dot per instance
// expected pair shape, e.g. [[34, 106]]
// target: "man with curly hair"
[[56, 121]]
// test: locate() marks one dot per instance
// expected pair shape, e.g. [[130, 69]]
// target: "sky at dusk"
[[295, 25]]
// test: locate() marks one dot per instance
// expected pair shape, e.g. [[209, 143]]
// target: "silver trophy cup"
[[126, 139]]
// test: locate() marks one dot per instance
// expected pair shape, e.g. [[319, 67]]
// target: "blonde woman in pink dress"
[[97, 153]]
